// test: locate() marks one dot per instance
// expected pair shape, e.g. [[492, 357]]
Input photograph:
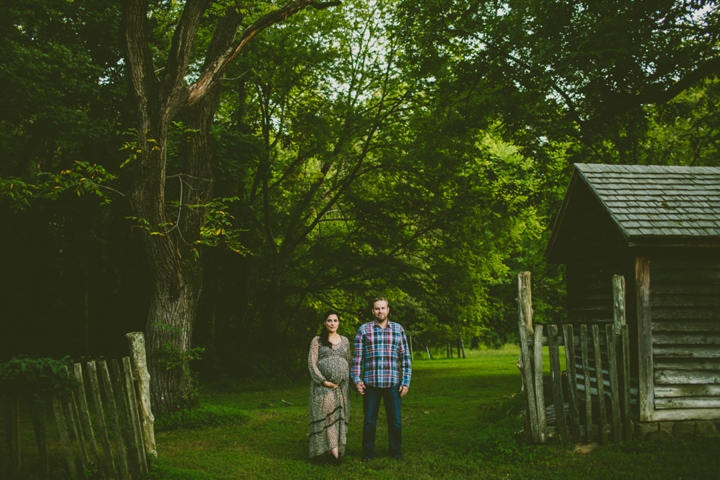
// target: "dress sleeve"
[[317, 377], [348, 352]]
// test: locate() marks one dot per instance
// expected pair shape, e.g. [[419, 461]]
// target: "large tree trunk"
[[170, 239]]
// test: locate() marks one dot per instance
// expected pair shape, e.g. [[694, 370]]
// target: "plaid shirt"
[[378, 352]]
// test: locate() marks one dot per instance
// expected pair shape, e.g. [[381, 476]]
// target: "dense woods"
[[217, 174]]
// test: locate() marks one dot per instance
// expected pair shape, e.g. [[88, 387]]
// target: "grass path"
[[458, 422]]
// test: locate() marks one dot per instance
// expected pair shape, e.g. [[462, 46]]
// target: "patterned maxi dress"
[[329, 408]]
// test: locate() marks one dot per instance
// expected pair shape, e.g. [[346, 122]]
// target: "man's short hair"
[[380, 299]]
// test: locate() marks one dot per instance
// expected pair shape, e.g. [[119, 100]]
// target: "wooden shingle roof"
[[650, 205]]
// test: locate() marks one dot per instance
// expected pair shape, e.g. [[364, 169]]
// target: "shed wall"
[[685, 306]]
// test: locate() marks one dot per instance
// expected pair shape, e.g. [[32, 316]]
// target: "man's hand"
[[360, 388], [403, 391]]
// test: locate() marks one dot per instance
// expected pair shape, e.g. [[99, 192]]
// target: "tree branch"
[[213, 72]]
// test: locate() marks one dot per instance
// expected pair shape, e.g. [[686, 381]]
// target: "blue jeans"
[[371, 406]]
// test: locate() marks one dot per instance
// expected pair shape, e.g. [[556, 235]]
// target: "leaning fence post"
[[94, 389], [85, 423], [525, 362], [113, 413], [64, 437], [134, 415], [137, 351]]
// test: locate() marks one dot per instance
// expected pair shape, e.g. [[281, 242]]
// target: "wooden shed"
[[659, 227]]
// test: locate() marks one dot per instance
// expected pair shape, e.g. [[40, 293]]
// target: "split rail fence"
[[105, 425], [594, 404]]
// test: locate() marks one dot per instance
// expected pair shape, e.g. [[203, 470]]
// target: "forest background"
[[412, 149]]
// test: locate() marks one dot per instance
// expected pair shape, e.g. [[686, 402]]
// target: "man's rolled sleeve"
[[406, 361], [357, 364]]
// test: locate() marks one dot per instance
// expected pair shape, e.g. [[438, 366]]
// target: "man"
[[383, 356]]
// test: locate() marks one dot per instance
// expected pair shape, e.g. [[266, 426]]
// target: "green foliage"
[[37, 376], [171, 357], [203, 416]]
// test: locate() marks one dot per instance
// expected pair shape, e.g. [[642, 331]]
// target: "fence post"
[[85, 424], [618, 287], [94, 388], [556, 377], [134, 415], [525, 362], [137, 351], [600, 384], [572, 382], [586, 383], [538, 377], [36, 407], [64, 437], [113, 413]]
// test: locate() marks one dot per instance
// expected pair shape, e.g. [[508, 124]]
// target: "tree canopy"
[[249, 166]]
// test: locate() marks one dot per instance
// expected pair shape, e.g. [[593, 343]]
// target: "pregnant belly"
[[335, 370]]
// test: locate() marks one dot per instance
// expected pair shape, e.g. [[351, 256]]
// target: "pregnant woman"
[[329, 364]]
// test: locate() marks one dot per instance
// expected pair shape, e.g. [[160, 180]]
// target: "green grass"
[[460, 420]]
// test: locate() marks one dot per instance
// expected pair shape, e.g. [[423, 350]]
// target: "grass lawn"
[[460, 420]]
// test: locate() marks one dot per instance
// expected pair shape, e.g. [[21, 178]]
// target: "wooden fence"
[[594, 403], [109, 406]]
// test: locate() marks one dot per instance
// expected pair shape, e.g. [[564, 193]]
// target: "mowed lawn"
[[460, 420]]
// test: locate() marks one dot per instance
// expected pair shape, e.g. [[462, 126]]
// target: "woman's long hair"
[[325, 334]]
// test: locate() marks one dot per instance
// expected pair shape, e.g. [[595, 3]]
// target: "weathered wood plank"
[[686, 351], [525, 301], [626, 389], [118, 381], [556, 378], [71, 402], [687, 414], [644, 335], [137, 352], [686, 339], [687, 364], [614, 382], [114, 419], [525, 365], [686, 313], [689, 377], [674, 288], [94, 388], [687, 402], [538, 379], [690, 300], [687, 391], [586, 381], [64, 437], [689, 275], [572, 383], [660, 327], [36, 408], [618, 288], [84, 415], [600, 385], [134, 415]]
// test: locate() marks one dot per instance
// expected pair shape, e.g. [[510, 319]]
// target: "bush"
[[203, 416]]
